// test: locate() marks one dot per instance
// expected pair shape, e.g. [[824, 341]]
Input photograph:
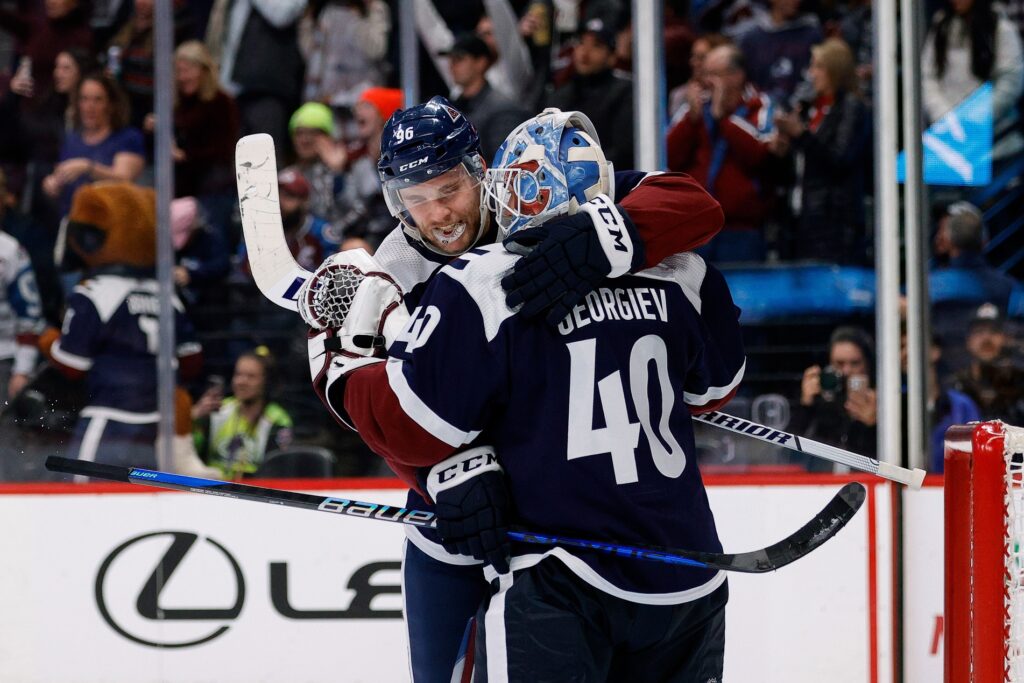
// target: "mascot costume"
[[110, 334]]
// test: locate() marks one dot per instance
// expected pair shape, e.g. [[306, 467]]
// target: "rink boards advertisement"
[[108, 583]]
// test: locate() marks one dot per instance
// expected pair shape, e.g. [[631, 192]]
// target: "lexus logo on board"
[[147, 604]]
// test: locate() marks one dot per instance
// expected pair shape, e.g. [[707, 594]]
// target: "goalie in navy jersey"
[[432, 175]]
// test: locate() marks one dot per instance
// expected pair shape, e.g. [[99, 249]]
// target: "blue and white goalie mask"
[[548, 166]]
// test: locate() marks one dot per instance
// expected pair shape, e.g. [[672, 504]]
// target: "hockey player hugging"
[[554, 389]]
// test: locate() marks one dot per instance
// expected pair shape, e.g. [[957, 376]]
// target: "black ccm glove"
[[568, 256], [472, 505]]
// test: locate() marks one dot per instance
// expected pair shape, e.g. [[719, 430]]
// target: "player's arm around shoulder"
[[672, 214]]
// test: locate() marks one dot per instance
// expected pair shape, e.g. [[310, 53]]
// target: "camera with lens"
[[833, 385]]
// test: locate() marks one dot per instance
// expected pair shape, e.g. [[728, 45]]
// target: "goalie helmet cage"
[[984, 567]]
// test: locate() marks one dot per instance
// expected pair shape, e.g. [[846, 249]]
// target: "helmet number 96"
[[403, 134]]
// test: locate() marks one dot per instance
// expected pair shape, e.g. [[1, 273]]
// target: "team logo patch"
[[453, 113]]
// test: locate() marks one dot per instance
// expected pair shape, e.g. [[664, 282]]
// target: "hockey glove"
[[472, 505], [325, 299], [568, 256]]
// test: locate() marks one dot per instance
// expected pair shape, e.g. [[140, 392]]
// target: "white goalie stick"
[[273, 267], [825, 525], [279, 278]]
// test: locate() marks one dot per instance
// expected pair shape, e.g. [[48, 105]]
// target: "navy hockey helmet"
[[422, 143]]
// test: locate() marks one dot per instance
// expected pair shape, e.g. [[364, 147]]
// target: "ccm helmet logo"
[[412, 164]]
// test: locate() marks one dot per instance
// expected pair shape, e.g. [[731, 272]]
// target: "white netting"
[[333, 298], [1013, 454]]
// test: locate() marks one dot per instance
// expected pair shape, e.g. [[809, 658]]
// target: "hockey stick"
[[912, 478], [279, 277], [825, 525], [273, 267]]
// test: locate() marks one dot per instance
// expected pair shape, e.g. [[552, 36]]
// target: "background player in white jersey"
[[21, 318], [555, 404], [432, 171]]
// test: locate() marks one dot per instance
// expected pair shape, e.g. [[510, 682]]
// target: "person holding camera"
[[837, 404]]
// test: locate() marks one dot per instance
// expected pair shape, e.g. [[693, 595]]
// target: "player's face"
[[847, 358], [446, 209], [248, 382]]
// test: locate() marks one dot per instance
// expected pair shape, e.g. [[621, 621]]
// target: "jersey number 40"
[[619, 436]]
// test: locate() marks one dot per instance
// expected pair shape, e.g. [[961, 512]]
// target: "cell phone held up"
[[833, 385]]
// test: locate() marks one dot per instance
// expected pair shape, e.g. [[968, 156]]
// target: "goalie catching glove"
[[355, 327], [567, 258], [472, 505]]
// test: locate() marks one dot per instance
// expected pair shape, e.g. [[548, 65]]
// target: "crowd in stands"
[[769, 106]]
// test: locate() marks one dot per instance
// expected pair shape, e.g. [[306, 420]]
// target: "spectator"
[[946, 406], [345, 44], [830, 137], [959, 241], [722, 138], [101, 147], [778, 48], [200, 252], [837, 404], [969, 43], [961, 279], [698, 82], [367, 213], [994, 379], [43, 30], [40, 122], [320, 158], [205, 131], [309, 238], [235, 434], [511, 72], [493, 114], [264, 71], [597, 91]]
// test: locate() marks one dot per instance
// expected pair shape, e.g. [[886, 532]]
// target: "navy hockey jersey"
[[111, 333], [591, 421], [671, 212]]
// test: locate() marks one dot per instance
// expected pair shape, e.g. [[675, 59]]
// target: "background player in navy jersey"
[[432, 174], [110, 331], [591, 421]]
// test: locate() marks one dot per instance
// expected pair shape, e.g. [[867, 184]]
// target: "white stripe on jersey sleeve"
[[715, 393], [69, 359], [420, 412]]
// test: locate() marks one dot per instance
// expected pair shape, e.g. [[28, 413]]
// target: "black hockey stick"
[[824, 526]]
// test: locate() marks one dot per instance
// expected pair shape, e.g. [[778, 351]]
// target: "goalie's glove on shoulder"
[[568, 256], [472, 505]]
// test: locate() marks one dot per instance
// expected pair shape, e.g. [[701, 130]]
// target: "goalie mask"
[[431, 169], [548, 166]]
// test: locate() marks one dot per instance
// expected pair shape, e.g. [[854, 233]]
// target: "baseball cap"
[[468, 44], [989, 315], [602, 31], [291, 181], [312, 115]]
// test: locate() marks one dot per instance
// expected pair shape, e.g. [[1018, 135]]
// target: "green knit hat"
[[312, 115]]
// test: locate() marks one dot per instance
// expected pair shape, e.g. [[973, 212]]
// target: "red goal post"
[[984, 567]]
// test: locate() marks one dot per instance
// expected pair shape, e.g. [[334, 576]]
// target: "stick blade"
[[273, 267], [825, 525]]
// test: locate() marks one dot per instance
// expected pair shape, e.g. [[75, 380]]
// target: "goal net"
[[984, 572]]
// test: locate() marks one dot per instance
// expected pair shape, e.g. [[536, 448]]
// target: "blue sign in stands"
[[769, 293], [958, 147]]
